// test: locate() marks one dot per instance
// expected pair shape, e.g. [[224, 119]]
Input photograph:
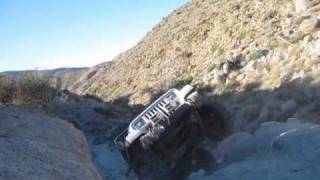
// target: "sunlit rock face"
[[36, 146]]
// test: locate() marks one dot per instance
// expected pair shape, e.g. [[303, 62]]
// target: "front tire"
[[216, 119]]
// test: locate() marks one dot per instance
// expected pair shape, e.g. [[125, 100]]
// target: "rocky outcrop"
[[276, 151], [36, 146]]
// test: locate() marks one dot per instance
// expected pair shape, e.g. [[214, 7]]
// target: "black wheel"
[[146, 141], [216, 119]]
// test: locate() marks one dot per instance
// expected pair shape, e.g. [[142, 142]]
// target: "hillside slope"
[[260, 58], [229, 45]]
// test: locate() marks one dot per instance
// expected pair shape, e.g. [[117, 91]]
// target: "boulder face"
[[276, 151], [36, 146]]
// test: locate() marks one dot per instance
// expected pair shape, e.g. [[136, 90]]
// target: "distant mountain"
[[61, 78], [50, 72]]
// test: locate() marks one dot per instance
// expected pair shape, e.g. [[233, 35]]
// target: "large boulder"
[[35, 146], [276, 151]]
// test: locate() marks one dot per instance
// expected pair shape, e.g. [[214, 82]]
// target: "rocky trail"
[[282, 150], [100, 122]]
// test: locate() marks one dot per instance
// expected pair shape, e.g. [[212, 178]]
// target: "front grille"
[[163, 107]]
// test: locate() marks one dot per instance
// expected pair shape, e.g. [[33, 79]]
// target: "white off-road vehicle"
[[171, 127]]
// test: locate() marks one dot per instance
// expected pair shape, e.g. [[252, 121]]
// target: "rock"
[[276, 151], [299, 75], [310, 25], [316, 48], [226, 68], [264, 114], [211, 75], [293, 50], [226, 147], [314, 8], [292, 38], [250, 66], [301, 5], [104, 155], [289, 106], [220, 77], [240, 77], [307, 40], [37, 146], [312, 62], [250, 84]]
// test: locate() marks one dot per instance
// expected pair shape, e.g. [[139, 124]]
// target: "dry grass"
[[31, 89], [7, 90]]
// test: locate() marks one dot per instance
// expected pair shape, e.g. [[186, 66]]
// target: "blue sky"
[[44, 34]]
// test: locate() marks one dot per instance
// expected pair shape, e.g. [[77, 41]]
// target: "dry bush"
[[31, 89], [7, 90], [180, 82]]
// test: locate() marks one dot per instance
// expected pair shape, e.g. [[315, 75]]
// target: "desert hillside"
[[231, 46], [261, 58]]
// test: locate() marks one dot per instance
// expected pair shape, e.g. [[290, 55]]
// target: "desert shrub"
[[221, 51], [7, 90], [203, 89], [31, 89], [190, 38], [258, 54], [184, 80], [186, 54]]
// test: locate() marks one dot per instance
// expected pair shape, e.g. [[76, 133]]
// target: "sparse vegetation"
[[258, 54], [274, 43], [203, 89], [221, 51], [186, 54], [247, 34], [7, 90], [184, 80], [190, 38], [29, 90], [211, 67]]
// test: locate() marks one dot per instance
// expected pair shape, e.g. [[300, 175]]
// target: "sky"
[[46, 34]]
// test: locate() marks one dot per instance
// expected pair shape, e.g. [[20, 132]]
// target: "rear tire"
[[146, 141]]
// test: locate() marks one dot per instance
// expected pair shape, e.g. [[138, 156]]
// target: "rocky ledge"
[[276, 151], [36, 146]]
